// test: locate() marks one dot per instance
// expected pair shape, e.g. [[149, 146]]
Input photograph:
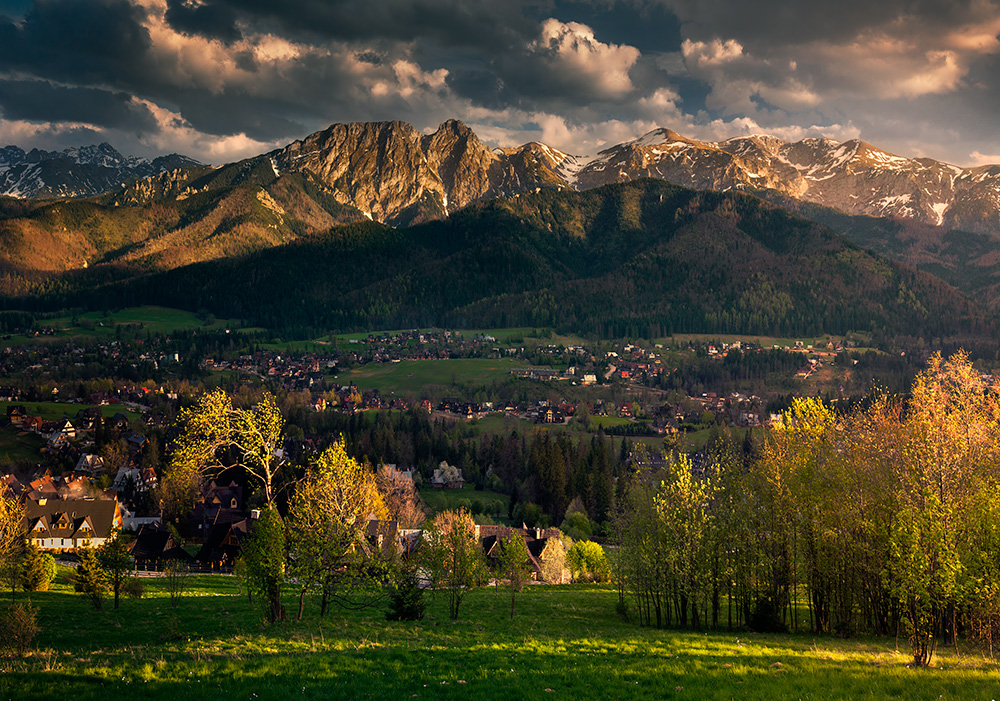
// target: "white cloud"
[[983, 159], [711, 53], [572, 48]]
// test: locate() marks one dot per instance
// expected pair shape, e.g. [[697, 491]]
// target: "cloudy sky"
[[222, 79]]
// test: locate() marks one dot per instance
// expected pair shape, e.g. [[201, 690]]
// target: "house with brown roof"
[[67, 524]]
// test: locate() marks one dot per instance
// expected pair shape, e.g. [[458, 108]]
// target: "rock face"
[[77, 172], [394, 174], [391, 172]]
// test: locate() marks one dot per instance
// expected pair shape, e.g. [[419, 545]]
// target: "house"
[[225, 496], [544, 545], [447, 476], [16, 414], [68, 524], [383, 536], [153, 545], [222, 542], [89, 464]]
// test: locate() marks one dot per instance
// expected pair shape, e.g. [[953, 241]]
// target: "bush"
[[133, 588], [587, 562], [766, 617], [18, 628], [406, 603]]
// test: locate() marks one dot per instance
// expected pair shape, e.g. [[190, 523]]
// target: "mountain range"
[[76, 172], [374, 224], [392, 173]]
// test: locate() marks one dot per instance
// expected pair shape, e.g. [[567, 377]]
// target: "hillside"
[[640, 258]]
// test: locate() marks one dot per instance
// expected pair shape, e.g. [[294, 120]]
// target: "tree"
[[176, 575], [215, 436], [553, 561], [453, 556], [90, 578], [327, 521], [586, 560], [406, 603], [514, 566], [264, 555], [38, 568], [401, 497], [11, 537], [116, 561]]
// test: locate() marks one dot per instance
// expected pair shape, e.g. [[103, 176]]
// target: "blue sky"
[[222, 79]]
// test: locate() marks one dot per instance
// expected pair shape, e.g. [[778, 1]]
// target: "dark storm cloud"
[[84, 40], [41, 101], [783, 22], [214, 21], [235, 74], [238, 113], [488, 24]]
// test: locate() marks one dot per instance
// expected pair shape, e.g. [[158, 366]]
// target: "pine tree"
[[38, 569], [90, 578]]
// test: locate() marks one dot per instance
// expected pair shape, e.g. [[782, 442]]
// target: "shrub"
[[176, 576], [587, 562], [18, 628], [133, 588], [406, 603], [766, 617]]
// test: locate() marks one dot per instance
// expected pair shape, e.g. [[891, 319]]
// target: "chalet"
[[43, 487], [153, 545], [222, 542], [89, 464], [447, 476], [32, 423], [135, 442], [68, 524], [542, 543], [16, 414], [74, 486], [118, 423]]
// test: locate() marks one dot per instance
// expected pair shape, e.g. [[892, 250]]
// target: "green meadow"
[[423, 376], [104, 326], [54, 411], [564, 642], [438, 500]]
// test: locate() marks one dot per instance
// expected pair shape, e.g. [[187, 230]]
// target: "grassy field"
[[19, 447], [817, 342], [444, 499], [564, 642], [97, 325], [413, 376], [53, 411]]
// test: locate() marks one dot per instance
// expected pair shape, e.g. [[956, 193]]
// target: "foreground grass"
[[565, 642]]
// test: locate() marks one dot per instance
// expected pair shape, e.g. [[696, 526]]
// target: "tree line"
[[881, 520]]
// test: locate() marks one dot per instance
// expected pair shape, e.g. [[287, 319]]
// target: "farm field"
[[53, 411], [414, 376], [564, 642], [103, 327]]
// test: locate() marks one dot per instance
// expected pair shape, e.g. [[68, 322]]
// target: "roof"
[[67, 518]]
